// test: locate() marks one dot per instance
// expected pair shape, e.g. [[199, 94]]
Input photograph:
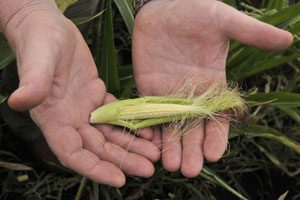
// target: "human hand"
[[59, 84], [174, 38]]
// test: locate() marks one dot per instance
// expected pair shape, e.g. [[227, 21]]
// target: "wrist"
[[13, 12]]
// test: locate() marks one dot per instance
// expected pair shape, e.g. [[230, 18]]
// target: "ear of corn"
[[153, 110]]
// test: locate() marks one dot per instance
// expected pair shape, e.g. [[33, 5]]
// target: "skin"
[[59, 84], [175, 38]]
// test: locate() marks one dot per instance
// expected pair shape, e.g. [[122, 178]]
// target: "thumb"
[[36, 64], [250, 31]]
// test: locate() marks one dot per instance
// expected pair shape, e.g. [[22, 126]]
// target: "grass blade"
[[276, 4], [276, 161], [283, 196], [125, 9], [209, 175], [267, 132], [238, 58], [295, 28], [97, 44], [294, 113], [125, 72], [15, 166], [243, 72], [127, 92], [275, 99], [81, 187], [283, 15], [244, 61], [230, 2], [6, 55], [3, 98], [64, 4], [108, 70], [293, 85], [195, 191], [82, 20]]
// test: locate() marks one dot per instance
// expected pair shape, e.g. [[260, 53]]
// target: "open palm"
[[176, 38], [59, 84]]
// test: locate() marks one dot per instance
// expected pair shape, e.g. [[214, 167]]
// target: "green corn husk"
[[153, 110]]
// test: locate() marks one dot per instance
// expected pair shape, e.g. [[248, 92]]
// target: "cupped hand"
[[59, 84], [176, 38]]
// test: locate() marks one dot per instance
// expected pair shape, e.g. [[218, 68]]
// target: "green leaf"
[[196, 192], [294, 113], [242, 54], [275, 99], [230, 2], [293, 85], [82, 20], [3, 98], [283, 15], [234, 47], [125, 9], [97, 44], [108, 70], [64, 4], [249, 61], [283, 196], [15, 166], [6, 55], [125, 72], [270, 12], [267, 132], [209, 175], [258, 129], [276, 4], [246, 69], [295, 28], [128, 89]]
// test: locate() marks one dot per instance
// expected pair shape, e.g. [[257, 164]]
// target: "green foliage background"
[[263, 159]]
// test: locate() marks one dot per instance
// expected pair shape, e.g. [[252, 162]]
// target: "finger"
[[156, 140], [146, 133], [192, 154], [129, 142], [88, 164], [130, 163], [216, 137], [171, 151], [250, 31], [67, 145], [109, 98], [37, 59]]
